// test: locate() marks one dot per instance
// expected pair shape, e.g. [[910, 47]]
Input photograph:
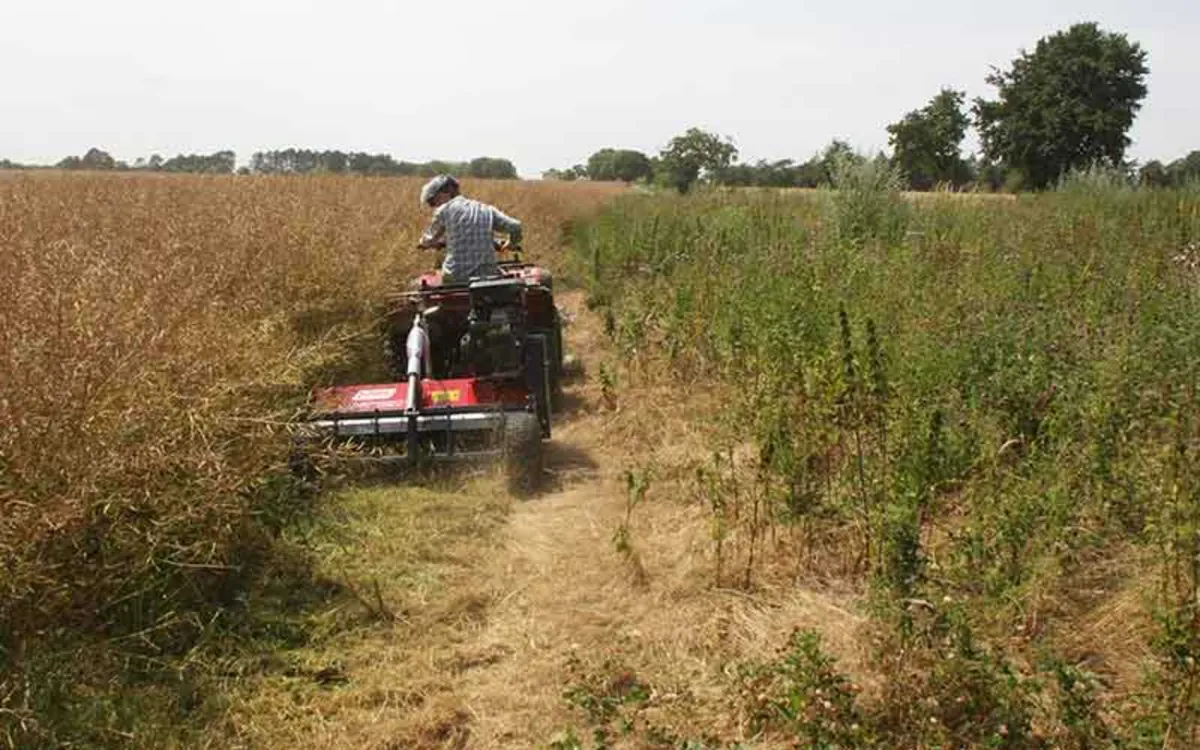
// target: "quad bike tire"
[[523, 454], [539, 378], [556, 366]]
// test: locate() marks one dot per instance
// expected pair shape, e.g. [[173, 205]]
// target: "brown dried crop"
[[156, 334]]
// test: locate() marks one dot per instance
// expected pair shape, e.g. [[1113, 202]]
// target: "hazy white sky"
[[542, 82]]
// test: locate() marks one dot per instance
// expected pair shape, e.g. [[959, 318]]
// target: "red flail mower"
[[477, 369]]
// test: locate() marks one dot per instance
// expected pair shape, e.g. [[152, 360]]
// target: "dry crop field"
[[155, 334]]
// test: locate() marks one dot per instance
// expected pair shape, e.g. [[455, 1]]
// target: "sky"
[[541, 82]]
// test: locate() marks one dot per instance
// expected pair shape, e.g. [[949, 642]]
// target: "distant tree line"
[[699, 157], [221, 162], [286, 161], [1175, 174], [301, 161], [1067, 105]]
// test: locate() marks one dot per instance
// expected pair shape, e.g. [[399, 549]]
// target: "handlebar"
[[500, 247]]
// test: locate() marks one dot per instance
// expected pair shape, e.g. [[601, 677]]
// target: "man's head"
[[439, 190]]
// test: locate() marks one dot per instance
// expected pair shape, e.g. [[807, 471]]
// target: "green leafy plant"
[[804, 696]]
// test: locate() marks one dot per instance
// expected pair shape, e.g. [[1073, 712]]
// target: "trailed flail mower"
[[480, 366]]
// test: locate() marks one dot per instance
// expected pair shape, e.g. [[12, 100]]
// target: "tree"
[[221, 162], [93, 159], [1067, 105], [97, 159], [334, 161], [622, 165], [925, 143], [1183, 171], [693, 156], [494, 169], [577, 172], [836, 152], [783, 173], [436, 166], [810, 174], [1154, 174]]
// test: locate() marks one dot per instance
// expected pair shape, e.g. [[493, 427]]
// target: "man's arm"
[[433, 235], [506, 224]]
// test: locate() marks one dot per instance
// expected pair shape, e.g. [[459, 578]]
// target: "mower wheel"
[[522, 453]]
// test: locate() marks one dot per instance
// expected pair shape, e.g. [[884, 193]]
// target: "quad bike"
[[542, 317], [475, 377]]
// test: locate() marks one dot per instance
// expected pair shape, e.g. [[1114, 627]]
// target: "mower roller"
[[477, 367]]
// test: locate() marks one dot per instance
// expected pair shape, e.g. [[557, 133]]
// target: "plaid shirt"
[[467, 228]]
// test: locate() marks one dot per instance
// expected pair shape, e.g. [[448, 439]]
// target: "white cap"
[[435, 186]]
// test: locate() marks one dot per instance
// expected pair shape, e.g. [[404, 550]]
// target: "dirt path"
[[567, 604], [557, 574]]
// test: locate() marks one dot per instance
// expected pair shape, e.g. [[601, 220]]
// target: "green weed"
[[976, 393]]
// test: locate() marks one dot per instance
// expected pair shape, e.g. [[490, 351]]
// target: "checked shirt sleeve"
[[506, 224], [436, 230]]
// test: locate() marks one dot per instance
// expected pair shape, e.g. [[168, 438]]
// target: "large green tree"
[[694, 155], [1069, 103], [624, 165], [926, 142]]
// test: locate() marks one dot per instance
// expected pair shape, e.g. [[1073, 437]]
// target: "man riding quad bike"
[[466, 229], [476, 362]]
